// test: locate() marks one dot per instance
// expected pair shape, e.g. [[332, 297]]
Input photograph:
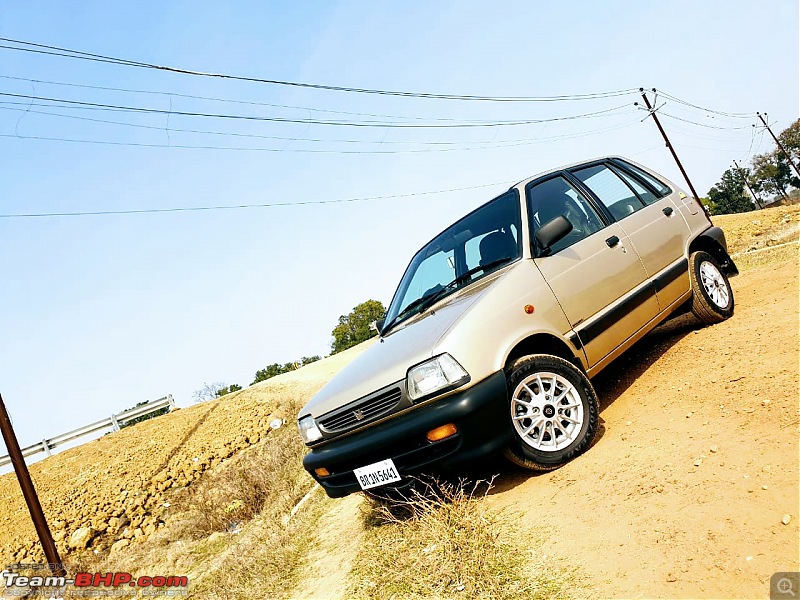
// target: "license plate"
[[377, 474]]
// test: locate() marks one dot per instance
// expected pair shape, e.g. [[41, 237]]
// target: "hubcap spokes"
[[714, 284], [547, 412]]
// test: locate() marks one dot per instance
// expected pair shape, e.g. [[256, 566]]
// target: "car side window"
[[646, 195], [554, 197], [472, 248], [660, 188], [612, 191]]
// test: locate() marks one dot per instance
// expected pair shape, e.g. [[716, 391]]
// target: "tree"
[[728, 195], [209, 391], [354, 328], [129, 422], [277, 369], [790, 138], [234, 387], [772, 174]]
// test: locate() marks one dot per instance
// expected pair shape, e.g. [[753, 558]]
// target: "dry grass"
[[445, 542]]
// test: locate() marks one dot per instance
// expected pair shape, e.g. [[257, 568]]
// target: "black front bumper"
[[480, 413]]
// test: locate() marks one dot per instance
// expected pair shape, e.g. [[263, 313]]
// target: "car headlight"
[[440, 372], [308, 429]]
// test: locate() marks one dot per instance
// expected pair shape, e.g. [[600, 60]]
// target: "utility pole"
[[778, 142], [747, 183], [666, 139], [29, 492]]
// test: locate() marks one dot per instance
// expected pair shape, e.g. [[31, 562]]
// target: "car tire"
[[541, 440], [712, 296]]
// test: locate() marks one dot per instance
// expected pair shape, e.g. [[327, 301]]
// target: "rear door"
[[653, 224], [594, 272]]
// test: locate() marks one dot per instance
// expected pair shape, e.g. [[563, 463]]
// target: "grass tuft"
[[444, 542]]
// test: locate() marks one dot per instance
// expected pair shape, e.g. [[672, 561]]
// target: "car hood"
[[388, 360]]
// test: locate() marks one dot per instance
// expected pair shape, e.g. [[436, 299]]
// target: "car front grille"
[[361, 411]]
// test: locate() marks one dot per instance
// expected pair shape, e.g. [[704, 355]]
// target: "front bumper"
[[479, 413]]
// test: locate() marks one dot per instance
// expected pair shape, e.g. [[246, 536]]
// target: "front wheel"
[[553, 410], [712, 296]]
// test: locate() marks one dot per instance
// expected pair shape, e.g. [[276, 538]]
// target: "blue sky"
[[98, 313]]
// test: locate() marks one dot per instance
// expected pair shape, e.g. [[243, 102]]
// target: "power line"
[[708, 110], [122, 108], [216, 99], [241, 206], [449, 145], [80, 55], [662, 113]]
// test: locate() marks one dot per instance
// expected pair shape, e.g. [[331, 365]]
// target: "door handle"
[[667, 211], [612, 241]]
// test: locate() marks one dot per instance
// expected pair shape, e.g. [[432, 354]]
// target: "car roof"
[[527, 180]]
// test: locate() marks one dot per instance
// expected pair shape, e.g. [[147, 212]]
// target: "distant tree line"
[[769, 175], [129, 422]]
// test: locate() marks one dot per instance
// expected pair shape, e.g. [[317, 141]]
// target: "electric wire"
[[246, 206], [80, 55], [449, 145], [122, 108]]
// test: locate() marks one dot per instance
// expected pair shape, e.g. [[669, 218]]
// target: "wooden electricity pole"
[[652, 112], [778, 142], [29, 492], [747, 183]]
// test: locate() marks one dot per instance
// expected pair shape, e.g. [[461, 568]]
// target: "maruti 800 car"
[[500, 321]]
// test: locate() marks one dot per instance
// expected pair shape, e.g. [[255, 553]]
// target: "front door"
[[594, 272]]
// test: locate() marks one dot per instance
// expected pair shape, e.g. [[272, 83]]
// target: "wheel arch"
[[712, 240], [544, 343]]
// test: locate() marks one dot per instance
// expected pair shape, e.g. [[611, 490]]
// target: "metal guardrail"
[[115, 421]]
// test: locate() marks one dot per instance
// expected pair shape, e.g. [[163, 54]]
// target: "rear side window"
[[645, 194], [612, 191], [659, 187]]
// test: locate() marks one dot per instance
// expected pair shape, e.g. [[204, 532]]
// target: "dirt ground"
[[682, 495]]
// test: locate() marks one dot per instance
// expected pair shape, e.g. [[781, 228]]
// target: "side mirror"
[[554, 230], [378, 325]]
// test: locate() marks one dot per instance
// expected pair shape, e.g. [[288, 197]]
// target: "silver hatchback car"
[[500, 322]]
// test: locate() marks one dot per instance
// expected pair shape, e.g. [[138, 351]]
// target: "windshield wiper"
[[420, 304]]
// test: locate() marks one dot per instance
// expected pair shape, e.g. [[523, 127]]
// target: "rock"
[[81, 537], [671, 578], [688, 415], [119, 545], [714, 448], [698, 462], [786, 519], [59, 535]]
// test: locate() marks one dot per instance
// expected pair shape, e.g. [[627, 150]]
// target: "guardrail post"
[[171, 402], [46, 448], [114, 422]]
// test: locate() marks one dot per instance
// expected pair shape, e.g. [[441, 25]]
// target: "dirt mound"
[[119, 486]]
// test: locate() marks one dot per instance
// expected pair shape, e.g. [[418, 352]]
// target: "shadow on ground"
[[610, 384]]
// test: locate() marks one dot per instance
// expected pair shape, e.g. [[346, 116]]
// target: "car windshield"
[[481, 242]]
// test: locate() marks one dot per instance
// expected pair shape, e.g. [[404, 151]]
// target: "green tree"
[[277, 369], [268, 372], [234, 387], [772, 174], [129, 422], [790, 138], [728, 194], [354, 328]]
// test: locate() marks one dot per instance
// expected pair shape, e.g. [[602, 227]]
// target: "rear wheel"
[[553, 411], [712, 296]]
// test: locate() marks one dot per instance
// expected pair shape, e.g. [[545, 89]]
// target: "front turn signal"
[[442, 433], [322, 472]]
